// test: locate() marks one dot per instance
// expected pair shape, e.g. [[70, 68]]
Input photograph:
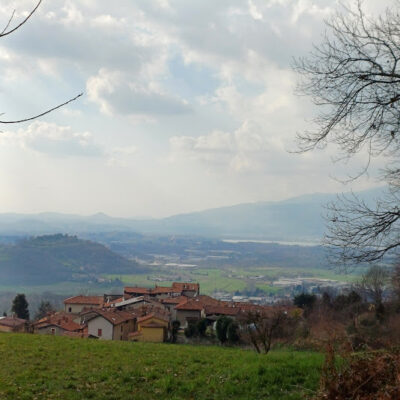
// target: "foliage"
[[305, 300], [45, 307], [20, 306], [80, 369], [232, 333], [191, 330], [221, 328], [201, 326], [55, 258], [175, 325]]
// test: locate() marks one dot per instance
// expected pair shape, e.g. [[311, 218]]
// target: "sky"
[[187, 105]]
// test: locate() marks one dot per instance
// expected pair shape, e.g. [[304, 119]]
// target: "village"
[[139, 314]]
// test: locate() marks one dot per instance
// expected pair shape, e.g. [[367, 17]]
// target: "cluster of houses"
[[140, 314]]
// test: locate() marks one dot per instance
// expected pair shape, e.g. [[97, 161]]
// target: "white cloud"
[[116, 93], [246, 149], [53, 140]]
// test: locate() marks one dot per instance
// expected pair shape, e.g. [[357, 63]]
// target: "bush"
[[202, 327], [232, 333], [222, 328], [191, 331], [362, 376]]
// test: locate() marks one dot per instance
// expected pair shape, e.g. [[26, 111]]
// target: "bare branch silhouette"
[[6, 32]]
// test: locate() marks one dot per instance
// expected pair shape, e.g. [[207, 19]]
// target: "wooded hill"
[[56, 258]]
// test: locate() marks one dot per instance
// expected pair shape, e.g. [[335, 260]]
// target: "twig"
[[4, 33], [42, 114]]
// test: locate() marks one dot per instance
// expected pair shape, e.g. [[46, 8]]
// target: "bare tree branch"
[[354, 79], [5, 32], [42, 114]]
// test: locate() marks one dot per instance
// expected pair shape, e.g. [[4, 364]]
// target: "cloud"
[[53, 140], [247, 149], [116, 93]]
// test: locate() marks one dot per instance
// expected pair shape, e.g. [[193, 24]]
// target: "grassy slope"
[[43, 367]]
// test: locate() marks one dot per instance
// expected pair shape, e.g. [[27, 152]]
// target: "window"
[[69, 309], [99, 332], [53, 331]]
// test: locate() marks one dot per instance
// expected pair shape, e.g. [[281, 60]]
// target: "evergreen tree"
[[20, 306]]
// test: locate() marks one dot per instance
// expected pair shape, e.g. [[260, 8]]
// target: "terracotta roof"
[[150, 316], [177, 287], [59, 319], [12, 321], [112, 303], [115, 317], [221, 310], [162, 290], [139, 290], [87, 300], [174, 300], [180, 286], [189, 306]]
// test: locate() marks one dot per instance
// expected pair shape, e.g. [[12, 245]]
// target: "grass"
[[46, 367]]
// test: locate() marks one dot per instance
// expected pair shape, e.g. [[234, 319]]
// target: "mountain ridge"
[[298, 218]]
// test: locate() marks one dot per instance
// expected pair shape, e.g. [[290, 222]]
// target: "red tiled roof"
[[12, 321], [59, 319], [162, 290], [174, 300], [180, 286], [87, 300], [177, 287], [150, 316], [197, 303], [112, 303], [221, 310], [139, 290], [115, 316]]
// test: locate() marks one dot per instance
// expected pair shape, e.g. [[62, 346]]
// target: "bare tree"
[[8, 30], [261, 327], [373, 283], [353, 76]]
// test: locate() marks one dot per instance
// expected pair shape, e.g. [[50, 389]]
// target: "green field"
[[46, 367], [230, 279]]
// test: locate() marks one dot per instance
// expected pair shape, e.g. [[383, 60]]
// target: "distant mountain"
[[58, 258], [295, 219]]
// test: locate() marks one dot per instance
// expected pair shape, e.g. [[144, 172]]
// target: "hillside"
[[295, 219], [56, 258], [62, 368]]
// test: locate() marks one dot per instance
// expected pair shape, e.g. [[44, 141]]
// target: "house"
[[13, 324], [151, 328], [136, 302], [194, 308], [110, 324], [162, 292], [77, 304], [58, 324], [186, 289], [135, 291], [171, 302]]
